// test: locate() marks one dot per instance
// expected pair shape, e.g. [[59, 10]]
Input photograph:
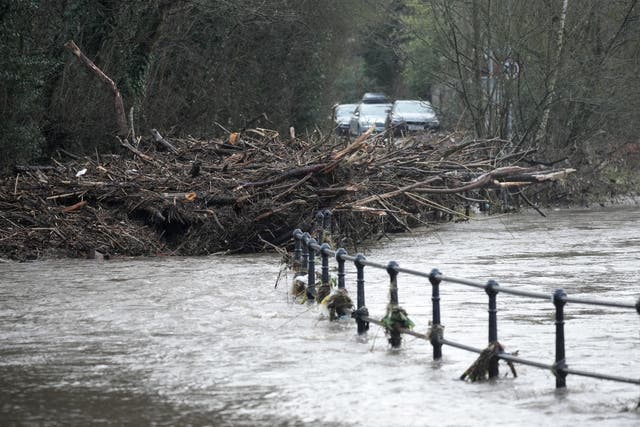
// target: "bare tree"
[[553, 79]]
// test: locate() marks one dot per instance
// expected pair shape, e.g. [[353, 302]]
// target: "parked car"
[[375, 98], [342, 116], [367, 115], [412, 116]]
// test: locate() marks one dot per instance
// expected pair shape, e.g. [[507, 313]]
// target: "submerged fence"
[[307, 248]]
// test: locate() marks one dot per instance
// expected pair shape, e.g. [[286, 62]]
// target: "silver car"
[[412, 116], [368, 115], [342, 116]]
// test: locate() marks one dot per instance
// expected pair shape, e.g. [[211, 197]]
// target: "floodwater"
[[212, 341]]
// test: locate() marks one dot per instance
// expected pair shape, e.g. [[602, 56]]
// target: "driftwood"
[[288, 174], [206, 196], [135, 151], [160, 140], [75, 206]]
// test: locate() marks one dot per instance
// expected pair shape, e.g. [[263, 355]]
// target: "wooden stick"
[[393, 193], [134, 150], [293, 187], [160, 140], [75, 207]]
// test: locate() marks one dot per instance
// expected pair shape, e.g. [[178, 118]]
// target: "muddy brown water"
[[210, 341]]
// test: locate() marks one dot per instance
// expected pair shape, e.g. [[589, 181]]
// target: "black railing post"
[[326, 220], [393, 282], [324, 252], [311, 285], [319, 226], [395, 337], [435, 320], [363, 325], [492, 289], [297, 252], [559, 366], [305, 251], [341, 271]]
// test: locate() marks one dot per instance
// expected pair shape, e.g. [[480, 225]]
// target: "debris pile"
[[247, 192]]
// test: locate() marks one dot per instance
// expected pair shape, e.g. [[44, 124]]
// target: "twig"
[[521, 194]]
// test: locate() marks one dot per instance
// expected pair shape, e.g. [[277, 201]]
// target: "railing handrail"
[[310, 247], [466, 282]]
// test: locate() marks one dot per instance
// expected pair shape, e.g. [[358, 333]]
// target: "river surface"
[[212, 341]]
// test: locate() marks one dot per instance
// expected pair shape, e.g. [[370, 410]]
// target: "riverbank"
[[245, 193]]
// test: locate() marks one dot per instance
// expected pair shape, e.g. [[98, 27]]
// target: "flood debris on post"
[[396, 318], [487, 362], [337, 300], [390, 321]]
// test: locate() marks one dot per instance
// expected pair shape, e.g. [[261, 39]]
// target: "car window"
[[374, 98], [345, 109], [374, 109], [414, 107]]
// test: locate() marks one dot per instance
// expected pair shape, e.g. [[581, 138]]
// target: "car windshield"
[[374, 109], [414, 107], [345, 109], [374, 98]]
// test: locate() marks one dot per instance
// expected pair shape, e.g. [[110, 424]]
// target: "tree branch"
[[121, 118]]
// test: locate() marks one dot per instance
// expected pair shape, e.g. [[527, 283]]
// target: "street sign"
[[510, 68]]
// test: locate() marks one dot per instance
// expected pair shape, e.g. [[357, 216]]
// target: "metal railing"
[[306, 249]]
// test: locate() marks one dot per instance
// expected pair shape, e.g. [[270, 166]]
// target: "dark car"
[[375, 98], [342, 116], [412, 116]]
